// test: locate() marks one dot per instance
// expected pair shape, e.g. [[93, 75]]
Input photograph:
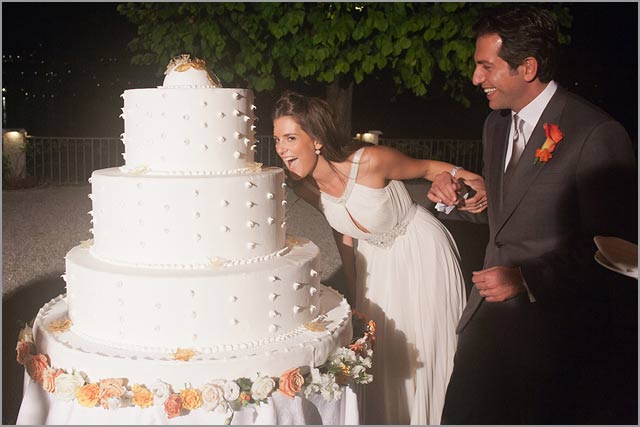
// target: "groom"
[[535, 334]]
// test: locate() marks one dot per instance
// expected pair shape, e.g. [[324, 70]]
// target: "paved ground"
[[40, 225]]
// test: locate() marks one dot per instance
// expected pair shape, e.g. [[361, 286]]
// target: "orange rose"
[[49, 379], [36, 364], [291, 382], [142, 396], [22, 349], [173, 405], [191, 399], [88, 395], [110, 387]]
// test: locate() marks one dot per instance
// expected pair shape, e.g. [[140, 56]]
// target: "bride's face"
[[295, 147]]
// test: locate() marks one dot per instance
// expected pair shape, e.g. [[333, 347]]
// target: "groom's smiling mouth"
[[488, 90]]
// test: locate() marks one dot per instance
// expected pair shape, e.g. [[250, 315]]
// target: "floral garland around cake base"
[[344, 365]]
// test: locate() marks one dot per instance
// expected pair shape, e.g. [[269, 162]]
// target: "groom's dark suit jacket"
[[512, 355], [544, 219]]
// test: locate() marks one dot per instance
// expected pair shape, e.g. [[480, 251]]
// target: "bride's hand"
[[444, 189], [478, 202]]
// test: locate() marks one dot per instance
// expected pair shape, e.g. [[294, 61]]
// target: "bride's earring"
[[317, 151]]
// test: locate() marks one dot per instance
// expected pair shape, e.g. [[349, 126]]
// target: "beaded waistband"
[[386, 239]]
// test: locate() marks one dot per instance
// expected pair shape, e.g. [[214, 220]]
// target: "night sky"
[[79, 52]]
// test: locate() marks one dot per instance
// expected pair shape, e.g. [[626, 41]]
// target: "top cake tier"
[[189, 130]]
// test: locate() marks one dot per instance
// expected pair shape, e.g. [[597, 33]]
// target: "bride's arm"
[[392, 164], [347, 255]]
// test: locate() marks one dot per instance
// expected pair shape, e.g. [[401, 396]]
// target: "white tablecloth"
[[40, 407]]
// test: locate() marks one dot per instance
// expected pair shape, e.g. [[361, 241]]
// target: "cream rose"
[[111, 388], [66, 386], [262, 387], [212, 395], [231, 390], [161, 392]]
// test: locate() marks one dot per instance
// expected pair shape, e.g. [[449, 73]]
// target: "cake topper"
[[184, 62]]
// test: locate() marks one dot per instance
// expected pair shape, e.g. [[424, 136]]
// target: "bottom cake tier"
[[307, 349]]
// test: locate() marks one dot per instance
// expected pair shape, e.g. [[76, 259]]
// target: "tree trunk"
[[340, 97]]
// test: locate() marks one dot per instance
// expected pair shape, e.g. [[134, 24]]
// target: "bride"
[[401, 263]]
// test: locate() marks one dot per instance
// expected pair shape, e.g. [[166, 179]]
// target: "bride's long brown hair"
[[316, 118]]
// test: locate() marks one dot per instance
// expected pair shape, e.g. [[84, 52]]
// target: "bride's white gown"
[[410, 284]]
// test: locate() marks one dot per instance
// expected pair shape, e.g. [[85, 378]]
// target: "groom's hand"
[[444, 189], [497, 284]]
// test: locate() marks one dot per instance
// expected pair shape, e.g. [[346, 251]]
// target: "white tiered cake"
[[190, 276]]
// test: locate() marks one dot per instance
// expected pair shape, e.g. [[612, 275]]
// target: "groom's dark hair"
[[525, 30]]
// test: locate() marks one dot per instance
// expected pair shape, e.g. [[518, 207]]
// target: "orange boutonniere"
[[554, 135]]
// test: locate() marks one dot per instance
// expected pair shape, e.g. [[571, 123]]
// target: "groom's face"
[[504, 87]]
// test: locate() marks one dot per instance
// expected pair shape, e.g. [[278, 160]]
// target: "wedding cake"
[[190, 275]]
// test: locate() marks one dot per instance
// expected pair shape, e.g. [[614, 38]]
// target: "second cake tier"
[[162, 221]]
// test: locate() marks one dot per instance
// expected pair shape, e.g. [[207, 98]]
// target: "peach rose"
[[173, 405], [291, 382], [88, 395], [36, 364], [109, 388], [142, 396], [22, 349], [49, 376], [191, 399]]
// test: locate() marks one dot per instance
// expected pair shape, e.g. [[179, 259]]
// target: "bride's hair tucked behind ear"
[[316, 118]]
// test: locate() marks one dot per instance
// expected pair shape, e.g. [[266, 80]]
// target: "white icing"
[[186, 253], [306, 349], [149, 140], [98, 287], [168, 203]]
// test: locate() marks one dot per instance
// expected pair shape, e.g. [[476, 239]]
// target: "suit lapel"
[[500, 135], [526, 170]]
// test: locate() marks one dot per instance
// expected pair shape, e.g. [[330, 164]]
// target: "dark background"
[[65, 66]]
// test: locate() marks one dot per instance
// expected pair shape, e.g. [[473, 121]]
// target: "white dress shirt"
[[530, 114]]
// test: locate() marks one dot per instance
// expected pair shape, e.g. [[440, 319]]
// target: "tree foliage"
[[253, 44]]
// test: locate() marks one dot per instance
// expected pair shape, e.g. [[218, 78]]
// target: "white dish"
[[617, 255]]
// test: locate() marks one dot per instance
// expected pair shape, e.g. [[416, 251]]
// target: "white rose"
[[212, 395], [262, 387], [161, 392], [231, 390], [67, 384], [356, 371], [330, 390]]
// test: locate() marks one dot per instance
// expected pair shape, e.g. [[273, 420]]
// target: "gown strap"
[[353, 174]]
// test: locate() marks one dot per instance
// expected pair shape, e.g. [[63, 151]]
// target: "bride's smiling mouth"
[[289, 161]]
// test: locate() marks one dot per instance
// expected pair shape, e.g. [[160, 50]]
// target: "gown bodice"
[[383, 212]]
